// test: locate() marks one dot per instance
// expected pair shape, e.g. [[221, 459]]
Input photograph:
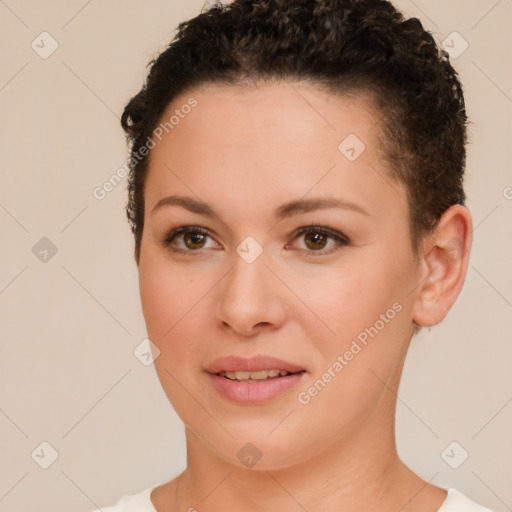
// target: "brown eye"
[[315, 241], [191, 239], [194, 240]]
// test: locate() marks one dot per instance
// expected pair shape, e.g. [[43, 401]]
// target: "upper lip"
[[251, 364]]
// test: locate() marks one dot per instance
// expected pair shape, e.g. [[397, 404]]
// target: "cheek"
[[175, 309], [349, 298], [164, 293], [158, 301], [171, 306], [365, 305]]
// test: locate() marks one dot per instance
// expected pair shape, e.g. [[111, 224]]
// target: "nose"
[[250, 299]]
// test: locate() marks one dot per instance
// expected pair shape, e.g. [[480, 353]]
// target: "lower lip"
[[255, 392]]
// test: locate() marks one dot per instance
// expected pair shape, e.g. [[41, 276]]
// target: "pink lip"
[[253, 392], [251, 364]]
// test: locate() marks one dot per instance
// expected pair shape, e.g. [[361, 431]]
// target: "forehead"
[[268, 140], [291, 112]]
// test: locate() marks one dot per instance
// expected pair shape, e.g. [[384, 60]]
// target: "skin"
[[245, 151]]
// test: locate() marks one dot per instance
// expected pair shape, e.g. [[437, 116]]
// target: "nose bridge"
[[248, 296], [246, 280]]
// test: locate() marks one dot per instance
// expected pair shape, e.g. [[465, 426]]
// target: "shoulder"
[[140, 502], [458, 502]]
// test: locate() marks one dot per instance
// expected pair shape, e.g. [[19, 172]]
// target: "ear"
[[444, 262]]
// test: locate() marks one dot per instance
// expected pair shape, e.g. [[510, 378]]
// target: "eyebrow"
[[289, 209]]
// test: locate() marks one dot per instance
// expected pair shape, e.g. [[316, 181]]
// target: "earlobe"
[[444, 263]]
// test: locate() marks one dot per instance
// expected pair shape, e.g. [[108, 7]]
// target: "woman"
[[297, 204]]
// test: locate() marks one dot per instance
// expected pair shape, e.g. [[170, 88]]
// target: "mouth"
[[255, 364], [254, 380], [257, 376]]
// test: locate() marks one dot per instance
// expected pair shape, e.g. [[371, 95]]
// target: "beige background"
[[70, 325]]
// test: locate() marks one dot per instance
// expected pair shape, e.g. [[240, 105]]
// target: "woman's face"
[[293, 244]]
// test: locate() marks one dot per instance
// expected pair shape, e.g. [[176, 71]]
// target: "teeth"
[[259, 375]]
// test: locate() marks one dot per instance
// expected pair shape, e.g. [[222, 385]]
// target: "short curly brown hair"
[[340, 45]]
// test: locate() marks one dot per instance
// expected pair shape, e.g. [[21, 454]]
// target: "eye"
[[320, 240], [189, 239]]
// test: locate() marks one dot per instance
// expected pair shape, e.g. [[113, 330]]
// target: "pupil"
[[194, 240], [317, 239]]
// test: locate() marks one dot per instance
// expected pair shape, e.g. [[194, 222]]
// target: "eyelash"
[[340, 238]]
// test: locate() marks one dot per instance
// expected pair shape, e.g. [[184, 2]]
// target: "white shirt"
[[454, 502]]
